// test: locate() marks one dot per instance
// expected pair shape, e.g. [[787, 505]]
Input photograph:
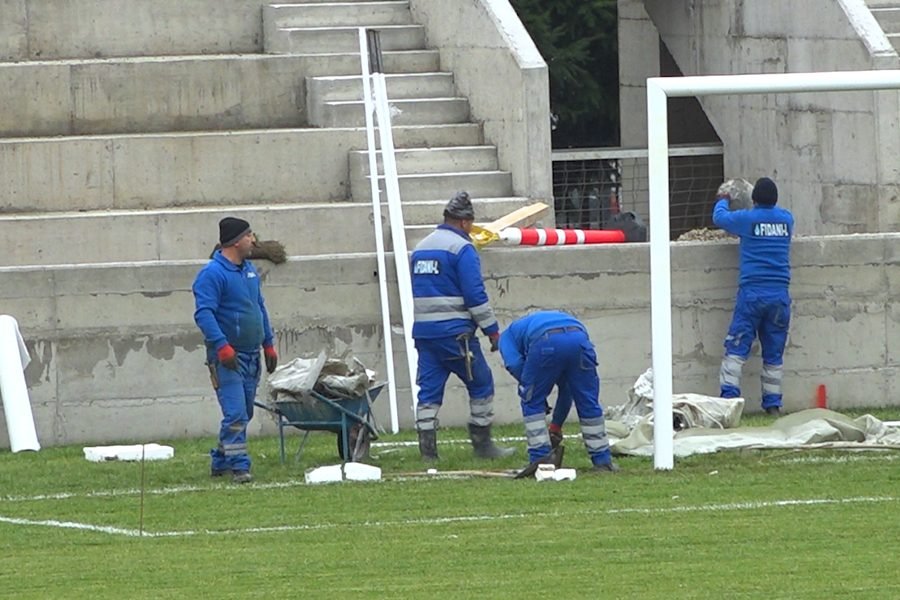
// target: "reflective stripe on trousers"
[[426, 416], [481, 411]]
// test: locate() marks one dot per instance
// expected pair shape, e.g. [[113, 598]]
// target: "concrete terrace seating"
[[128, 129], [149, 150], [887, 13]]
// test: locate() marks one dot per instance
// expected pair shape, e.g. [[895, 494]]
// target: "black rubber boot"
[[609, 467], [483, 444], [428, 444]]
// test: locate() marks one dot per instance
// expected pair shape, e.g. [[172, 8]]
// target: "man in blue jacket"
[[231, 314], [763, 304], [449, 304], [550, 348]]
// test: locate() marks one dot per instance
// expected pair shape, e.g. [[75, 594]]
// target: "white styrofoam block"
[[327, 474], [355, 471], [563, 474], [132, 452], [544, 472]]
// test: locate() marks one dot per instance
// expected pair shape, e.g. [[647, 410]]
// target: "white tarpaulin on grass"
[[706, 424], [812, 428]]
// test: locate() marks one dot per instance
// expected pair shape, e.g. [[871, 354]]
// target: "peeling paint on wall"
[[38, 370]]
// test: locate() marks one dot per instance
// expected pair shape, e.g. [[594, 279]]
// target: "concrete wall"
[[499, 69], [50, 29], [834, 155], [116, 356]]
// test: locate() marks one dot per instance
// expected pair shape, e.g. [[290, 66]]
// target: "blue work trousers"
[[236, 392], [460, 355], [764, 313], [566, 359]]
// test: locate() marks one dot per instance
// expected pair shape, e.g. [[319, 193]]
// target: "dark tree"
[[579, 41]]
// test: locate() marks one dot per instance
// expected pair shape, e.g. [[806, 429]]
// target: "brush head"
[[271, 250]]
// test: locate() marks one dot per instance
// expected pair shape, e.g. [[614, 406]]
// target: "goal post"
[[659, 90]]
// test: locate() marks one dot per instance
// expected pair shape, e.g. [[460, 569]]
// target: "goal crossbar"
[[659, 90]]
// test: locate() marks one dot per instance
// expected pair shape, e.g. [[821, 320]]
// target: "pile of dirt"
[[704, 234]]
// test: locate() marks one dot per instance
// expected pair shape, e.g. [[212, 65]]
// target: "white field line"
[[179, 489], [844, 458], [739, 506]]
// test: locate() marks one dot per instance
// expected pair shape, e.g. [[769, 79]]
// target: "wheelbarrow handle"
[[267, 407]]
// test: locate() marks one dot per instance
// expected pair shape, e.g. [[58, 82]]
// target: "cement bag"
[[299, 376]]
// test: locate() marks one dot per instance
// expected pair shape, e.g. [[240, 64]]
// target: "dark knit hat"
[[460, 207], [231, 230], [765, 192]]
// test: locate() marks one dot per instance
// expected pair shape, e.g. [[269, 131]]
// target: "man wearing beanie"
[[763, 305], [449, 304], [231, 313]]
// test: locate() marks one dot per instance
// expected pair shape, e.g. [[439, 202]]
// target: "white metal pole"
[[398, 228], [379, 233], [660, 276], [835, 81]]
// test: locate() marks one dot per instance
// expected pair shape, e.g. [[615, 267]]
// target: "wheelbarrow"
[[350, 418]]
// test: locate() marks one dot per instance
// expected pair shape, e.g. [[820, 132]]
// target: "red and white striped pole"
[[560, 237]]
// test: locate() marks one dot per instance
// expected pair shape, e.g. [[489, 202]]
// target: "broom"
[[271, 250]]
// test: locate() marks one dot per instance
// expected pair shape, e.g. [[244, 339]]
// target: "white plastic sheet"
[[811, 428], [297, 376], [16, 405]]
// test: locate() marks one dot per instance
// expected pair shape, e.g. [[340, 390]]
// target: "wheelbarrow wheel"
[[360, 442]]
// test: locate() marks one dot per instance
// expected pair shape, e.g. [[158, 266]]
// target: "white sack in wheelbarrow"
[[299, 376]]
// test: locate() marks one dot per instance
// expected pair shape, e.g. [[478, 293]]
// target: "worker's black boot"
[[483, 444], [428, 444]]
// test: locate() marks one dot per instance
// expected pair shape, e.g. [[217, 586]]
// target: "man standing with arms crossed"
[[449, 304], [231, 313], [763, 304]]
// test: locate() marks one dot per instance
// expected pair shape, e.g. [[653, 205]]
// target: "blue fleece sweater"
[[229, 306], [765, 233]]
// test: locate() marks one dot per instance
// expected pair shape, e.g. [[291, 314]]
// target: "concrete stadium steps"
[[427, 160], [328, 14], [199, 169], [191, 233], [399, 85], [311, 40], [888, 17], [158, 94], [427, 186], [408, 111], [887, 13]]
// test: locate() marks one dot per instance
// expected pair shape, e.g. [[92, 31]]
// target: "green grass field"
[[775, 524]]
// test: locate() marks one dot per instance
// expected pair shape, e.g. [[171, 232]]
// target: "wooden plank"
[[523, 217]]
